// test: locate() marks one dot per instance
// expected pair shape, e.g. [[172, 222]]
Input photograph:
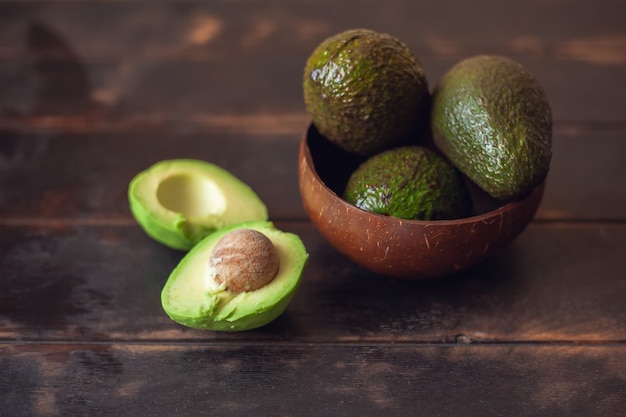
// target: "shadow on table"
[[46, 79], [355, 303]]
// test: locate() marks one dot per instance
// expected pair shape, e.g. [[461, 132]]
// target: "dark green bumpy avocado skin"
[[365, 91], [493, 122], [409, 182]]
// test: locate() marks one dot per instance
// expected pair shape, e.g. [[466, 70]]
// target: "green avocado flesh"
[[411, 182], [180, 201], [191, 297], [365, 91], [493, 122]]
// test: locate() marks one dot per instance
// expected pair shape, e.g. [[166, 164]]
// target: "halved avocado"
[[178, 202], [192, 298]]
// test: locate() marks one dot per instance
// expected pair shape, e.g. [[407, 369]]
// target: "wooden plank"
[[177, 60], [182, 92], [93, 92], [571, 29], [556, 283], [85, 176], [587, 178], [312, 380]]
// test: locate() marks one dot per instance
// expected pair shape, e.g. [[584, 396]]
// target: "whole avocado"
[[365, 91], [409, 182], [493, 121]]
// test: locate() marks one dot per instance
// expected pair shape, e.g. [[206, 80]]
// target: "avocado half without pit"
[[178, 202], [238, 278]]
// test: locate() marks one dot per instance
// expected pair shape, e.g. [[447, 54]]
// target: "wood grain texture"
[[178, 61], [92, 92], [167, 93], [571, 29], [85, 177], [554, 284], [322, 380]]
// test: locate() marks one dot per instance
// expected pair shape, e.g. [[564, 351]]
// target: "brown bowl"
[[402, 248]]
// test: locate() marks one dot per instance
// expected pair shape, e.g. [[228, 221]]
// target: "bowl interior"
[[334, 167], [411, 249]]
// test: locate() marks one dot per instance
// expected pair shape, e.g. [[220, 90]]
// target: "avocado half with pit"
[[195, 295], [178, 202]]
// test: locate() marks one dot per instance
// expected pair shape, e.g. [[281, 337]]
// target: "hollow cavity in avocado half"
[[180, 201], [193, 297]]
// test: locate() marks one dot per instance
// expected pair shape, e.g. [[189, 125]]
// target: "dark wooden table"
[[93, 92]]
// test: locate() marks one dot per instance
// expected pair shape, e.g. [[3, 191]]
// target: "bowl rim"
[[476, 218]]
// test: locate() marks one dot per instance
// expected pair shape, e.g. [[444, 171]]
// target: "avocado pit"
[[243, 260]]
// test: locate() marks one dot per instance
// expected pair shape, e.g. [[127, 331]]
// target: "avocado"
[[180, 201], [492, 120], [365, 91], [409, 182], [199, 295]]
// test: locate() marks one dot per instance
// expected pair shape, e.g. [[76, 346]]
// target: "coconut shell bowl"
[[410, 249]]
